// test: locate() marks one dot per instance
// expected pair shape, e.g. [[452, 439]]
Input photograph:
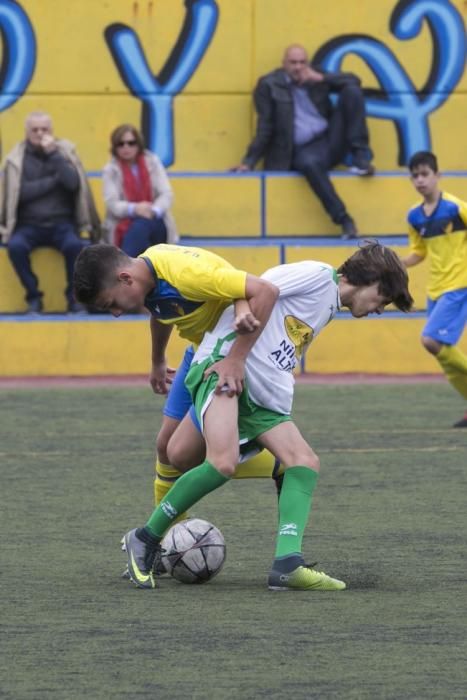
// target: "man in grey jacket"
[[45, 201], [299, 129]]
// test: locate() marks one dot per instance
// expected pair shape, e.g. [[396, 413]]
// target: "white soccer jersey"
[[308, 300]]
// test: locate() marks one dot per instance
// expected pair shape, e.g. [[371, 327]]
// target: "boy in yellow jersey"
[[310, 295], [438, 231], [189, 288]]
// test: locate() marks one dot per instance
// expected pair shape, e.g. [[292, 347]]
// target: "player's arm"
[[417, 251], [413, 259], [161, 375], [261, 296], [244, 321]]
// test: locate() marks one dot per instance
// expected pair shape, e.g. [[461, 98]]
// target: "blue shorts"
[[178, 401], [447, 317]]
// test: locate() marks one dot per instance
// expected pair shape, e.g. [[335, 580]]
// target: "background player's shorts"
[[253, 420], [178, 401], [447, 317]]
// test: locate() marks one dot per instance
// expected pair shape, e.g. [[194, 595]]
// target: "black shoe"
[[34, 306], [349, 230], [361, 165], [75, 308], [462, 423]]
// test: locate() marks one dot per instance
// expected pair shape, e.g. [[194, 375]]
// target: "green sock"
[[187, 490], [294, 509]]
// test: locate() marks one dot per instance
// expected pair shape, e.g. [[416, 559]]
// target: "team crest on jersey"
[[288, 352], [300, 333]]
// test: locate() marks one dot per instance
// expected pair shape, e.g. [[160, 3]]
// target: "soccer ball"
[[193, 551]]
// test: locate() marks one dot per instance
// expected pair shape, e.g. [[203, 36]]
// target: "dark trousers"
[[25, 238], [347, 132], [142, 234]]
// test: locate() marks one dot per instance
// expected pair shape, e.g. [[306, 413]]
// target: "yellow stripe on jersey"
[[442, 237], [195, 275]]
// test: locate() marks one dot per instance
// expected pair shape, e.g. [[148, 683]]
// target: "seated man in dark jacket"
[[299, 129], [45, 200]]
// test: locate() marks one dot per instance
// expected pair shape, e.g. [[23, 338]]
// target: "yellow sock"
[[260, 466], [454, 365], [166, 476]]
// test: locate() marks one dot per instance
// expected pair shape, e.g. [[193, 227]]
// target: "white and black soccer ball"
[[193, 551]]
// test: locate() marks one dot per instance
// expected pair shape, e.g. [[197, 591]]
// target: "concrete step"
[[278, 205]]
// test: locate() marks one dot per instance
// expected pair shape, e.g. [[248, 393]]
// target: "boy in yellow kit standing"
[[438, 231]]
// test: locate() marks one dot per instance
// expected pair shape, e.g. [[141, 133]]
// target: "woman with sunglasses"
[[137, 195]]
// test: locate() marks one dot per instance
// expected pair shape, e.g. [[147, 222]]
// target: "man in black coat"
[[298, 128]]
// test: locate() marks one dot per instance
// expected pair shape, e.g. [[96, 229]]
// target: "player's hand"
[[144, 209], [246, 323], [161, 377], [231, 375], [48, 143]]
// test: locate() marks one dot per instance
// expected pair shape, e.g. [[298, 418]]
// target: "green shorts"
[[253, 420]]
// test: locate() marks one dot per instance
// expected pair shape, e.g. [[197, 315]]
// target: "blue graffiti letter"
[[399, 100], [19, 53], [157, 92]]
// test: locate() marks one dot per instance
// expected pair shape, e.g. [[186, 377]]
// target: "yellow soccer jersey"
[[192, 287], [442, 237]]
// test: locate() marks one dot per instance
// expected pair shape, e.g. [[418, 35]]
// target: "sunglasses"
[[126, 143]]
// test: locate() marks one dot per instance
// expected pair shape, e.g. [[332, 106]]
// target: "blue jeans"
[[25, 238], [142, 234]]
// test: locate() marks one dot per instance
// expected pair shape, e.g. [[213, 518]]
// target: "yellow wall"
[[122, 346], [77, 81]]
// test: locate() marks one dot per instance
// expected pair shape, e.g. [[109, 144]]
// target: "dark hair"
[[95, 270], [374, 262], [423, 158], [118, 133]]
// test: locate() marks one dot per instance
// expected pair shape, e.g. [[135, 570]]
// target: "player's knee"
[[313, 462], [178, 457], [306, 458], [431, 345], [226, 464]]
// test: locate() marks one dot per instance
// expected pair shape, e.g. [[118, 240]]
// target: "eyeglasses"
[[126, 143]]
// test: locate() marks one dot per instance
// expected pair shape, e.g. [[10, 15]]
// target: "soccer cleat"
[[303, 578], [462, 423], [141, 556], [158, 568]]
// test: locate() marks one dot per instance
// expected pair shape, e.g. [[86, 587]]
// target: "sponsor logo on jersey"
[[284, 357]]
